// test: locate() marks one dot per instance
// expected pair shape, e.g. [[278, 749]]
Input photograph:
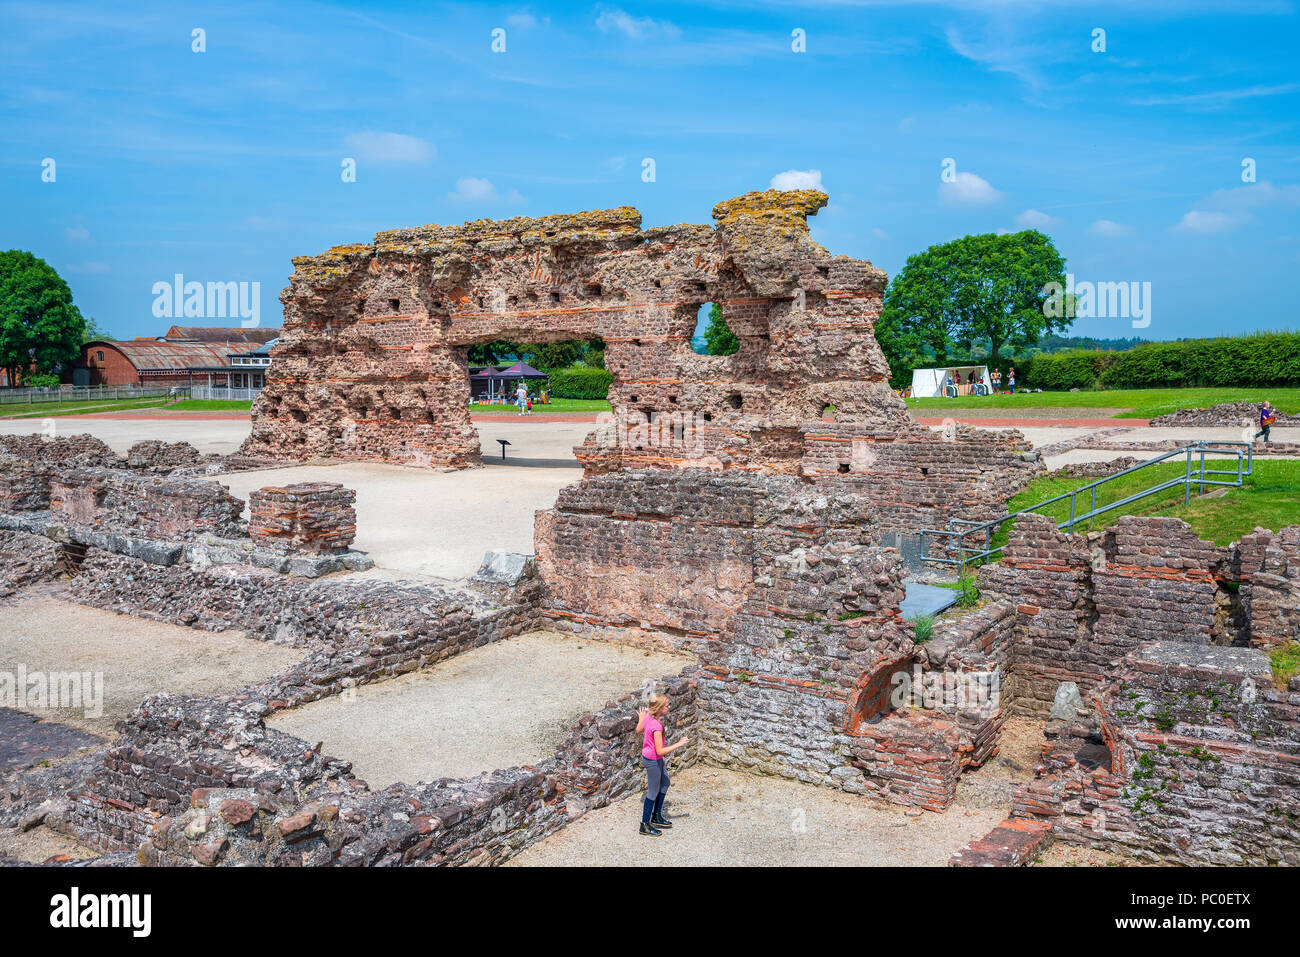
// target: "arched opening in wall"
[[712, 335], [568, 375]]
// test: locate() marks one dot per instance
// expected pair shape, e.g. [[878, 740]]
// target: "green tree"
[[95, 332], [41, 331], [977, 289], [719, 340]]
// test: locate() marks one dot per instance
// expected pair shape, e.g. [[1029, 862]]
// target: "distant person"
[[1267, 416], [653, 752], [949, 389], [997, 380], [521, 397], [1011, 379]]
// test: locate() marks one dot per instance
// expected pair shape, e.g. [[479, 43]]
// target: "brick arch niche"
[[371, 364]]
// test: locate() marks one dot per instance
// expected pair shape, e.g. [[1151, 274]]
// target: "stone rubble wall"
[[965, 673], [156, 456], [111, 500], [204, 781], [1225, 414], [26, 560], [356, 631]]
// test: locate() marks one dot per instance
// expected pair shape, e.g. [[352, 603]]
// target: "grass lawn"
[[1143, 403], [555, 406], [1270, 498], [22, 409], [212, 405], [54, 411]]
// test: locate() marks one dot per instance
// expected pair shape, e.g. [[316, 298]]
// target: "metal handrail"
[[1187, 480]]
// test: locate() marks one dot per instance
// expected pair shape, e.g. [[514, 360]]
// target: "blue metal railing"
[[960, 529]]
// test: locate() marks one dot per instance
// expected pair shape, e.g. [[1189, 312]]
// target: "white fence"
[[223, 392], [68, 393]]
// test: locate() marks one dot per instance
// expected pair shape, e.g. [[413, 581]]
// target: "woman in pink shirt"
[[653, 752]]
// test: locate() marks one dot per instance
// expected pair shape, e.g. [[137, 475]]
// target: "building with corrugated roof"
[[187, 355]]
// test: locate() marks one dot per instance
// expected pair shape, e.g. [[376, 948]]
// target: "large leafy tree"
[[977, 289], [718, 339], [41, 331]]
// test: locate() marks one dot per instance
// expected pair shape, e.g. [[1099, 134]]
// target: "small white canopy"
[[928, 383]]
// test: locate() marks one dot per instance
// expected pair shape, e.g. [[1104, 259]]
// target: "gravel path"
[[509, 703], [728, 818]]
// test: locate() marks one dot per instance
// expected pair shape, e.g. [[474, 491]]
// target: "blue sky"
[[222, 165]]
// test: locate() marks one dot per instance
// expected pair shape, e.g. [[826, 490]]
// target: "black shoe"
[[660, 821], [650, 829]]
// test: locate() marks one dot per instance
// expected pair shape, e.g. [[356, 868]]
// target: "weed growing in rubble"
[[923, 628], [1285, 659]]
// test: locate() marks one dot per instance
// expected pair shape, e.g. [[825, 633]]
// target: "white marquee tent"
[[928, 383]]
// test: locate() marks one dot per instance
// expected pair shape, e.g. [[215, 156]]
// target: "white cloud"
[[1035, 219], [1216, 99], [1108, 227], [798, 179], [638, 28], [1255, 195], [879, 233], [475, 189], [91, 267], [1227, 209], [77, 233], [521, 21], [390, 148], [967, 189], [1208, 221]]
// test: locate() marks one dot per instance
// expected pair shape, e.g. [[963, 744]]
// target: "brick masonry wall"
[[1084, 602], [1204, 762], [315, 517]]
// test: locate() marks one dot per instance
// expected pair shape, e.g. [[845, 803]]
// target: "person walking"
[[1267, 416], [521, 397], [653, 752]]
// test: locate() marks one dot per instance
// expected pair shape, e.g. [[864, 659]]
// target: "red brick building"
[[185, 355]]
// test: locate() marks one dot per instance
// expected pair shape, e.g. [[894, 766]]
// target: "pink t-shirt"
[[648, 749]]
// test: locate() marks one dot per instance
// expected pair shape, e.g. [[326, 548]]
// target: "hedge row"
[[1261, 359], [579, 383]]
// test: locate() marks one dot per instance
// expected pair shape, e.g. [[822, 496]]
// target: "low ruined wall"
[[1084, 602], [963, 674], [110, 500], [359, 630], [1203, 768], [301, 809]]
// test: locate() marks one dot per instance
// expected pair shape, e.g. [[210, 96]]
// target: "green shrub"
[[1062, 371], [42, 381], [580, 383], [1260, 359]]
